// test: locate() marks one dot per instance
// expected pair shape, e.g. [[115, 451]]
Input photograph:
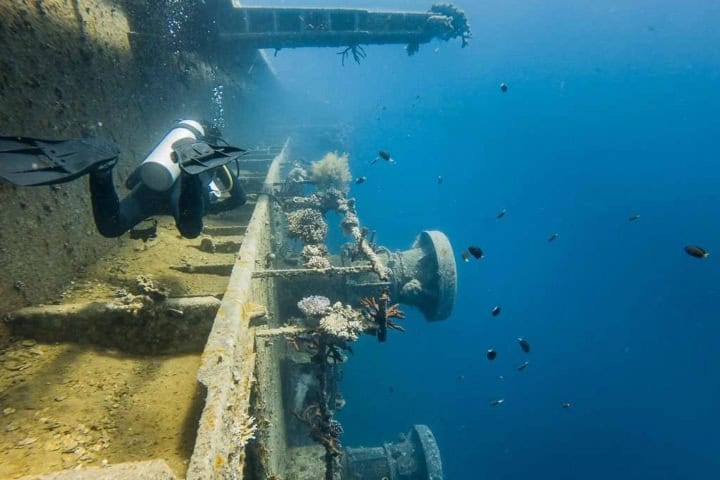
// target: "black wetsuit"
[[188, 200]]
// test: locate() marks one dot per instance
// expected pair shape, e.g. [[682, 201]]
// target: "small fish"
[[503, 87], [385, 156], [491, 354], [360, 180], [634, 217], [495, 311], [523, 366], [391, 389], [500, 377], [465, 256], [553, 237], [697, 252], [566, 405], [476, 251], [501, 214], [524, 344], [439, 179], [496, 402]]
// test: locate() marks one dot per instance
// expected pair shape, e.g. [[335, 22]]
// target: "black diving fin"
[[32, 162], [195, 156]]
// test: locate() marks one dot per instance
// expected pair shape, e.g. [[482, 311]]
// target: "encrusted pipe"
[[302, 272]]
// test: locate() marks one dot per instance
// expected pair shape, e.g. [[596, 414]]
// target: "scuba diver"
[[185, 176]]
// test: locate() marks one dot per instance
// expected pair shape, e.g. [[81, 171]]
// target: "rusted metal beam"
[[286, 27]]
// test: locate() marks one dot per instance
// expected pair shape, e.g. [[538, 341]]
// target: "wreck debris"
[[146, 286], [278, 28]]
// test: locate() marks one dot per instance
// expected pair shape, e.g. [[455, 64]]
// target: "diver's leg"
[[112, 217], [188, 203]]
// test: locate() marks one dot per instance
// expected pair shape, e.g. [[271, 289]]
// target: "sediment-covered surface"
[[66, 406]]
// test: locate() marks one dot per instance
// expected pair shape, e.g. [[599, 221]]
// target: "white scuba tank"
[[159, 170]]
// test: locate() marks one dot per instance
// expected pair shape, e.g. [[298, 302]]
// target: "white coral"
[[307, 224], [314, 305], [317, 263], [314, 256], [343, 322]]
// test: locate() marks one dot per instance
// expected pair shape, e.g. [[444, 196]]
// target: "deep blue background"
[[613, 108]]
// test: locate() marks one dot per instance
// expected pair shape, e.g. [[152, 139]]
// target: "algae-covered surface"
[[69, 405]]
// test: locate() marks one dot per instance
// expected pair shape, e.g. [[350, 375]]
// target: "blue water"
[[613, 109]]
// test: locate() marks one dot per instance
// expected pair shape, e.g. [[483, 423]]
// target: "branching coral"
[[308, 225], [243, 431], [323, 429], [380, 312], [331, 171]]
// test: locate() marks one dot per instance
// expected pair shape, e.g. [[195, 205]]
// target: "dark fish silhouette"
[[523, 366], [524, 344], [495, 311], [385, 156], [360, 180], [566, 404], [501, 214], [465, 256], [503, 87], [475, 251], [497, 402], [553, 237], [697, 252], [491, 354], [634, 217]]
